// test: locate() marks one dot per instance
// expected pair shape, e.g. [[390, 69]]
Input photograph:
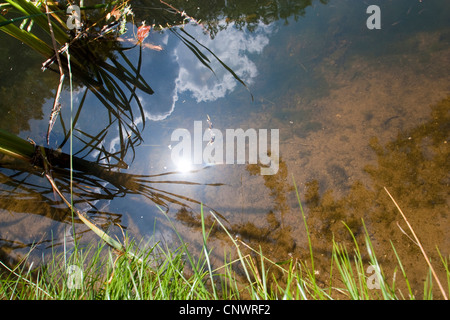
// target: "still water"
[[356, 110]]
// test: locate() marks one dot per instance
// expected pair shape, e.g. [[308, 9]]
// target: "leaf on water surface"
[[143, 32]]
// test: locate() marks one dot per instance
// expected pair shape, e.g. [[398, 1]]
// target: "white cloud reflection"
[[179, 72], [232, 46]]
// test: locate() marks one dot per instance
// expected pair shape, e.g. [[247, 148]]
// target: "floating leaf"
[[142, 32]]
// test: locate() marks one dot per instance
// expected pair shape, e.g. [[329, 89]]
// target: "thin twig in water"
[[56, 105], [420, 245]]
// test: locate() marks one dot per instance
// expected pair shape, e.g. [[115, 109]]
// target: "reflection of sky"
[[180, 73], [233, 47], [175, 74]]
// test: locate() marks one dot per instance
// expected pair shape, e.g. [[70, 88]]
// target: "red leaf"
[[142, 32]]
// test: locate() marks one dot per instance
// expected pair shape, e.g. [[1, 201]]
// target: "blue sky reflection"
[[185, 76]]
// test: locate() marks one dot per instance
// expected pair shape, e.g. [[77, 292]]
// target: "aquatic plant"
[[98, 61], [87, 54]]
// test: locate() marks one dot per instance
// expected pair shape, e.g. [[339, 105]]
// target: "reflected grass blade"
[[221, 62]]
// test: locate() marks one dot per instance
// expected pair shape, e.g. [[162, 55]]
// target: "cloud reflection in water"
[[183, 73]]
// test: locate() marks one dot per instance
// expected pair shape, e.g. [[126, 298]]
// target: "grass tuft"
[[160, 272]]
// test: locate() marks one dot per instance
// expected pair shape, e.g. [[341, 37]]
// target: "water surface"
[[357, 110]]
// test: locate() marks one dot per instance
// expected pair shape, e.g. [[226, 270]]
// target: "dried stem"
[[56, 105], [420, 245]]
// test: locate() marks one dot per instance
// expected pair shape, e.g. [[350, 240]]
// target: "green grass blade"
[[28, 8], [205, 249], [306, 226], [28, 38]]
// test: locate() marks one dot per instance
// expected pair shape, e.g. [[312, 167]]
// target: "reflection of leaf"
[[220, 61], [200, 55]]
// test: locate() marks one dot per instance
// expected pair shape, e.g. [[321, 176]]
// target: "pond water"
[[356, 110]]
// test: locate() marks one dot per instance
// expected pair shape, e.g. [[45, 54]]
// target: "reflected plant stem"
[[113, 243], [88, 177]]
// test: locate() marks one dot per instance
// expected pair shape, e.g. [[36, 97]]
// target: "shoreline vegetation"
[[159, 272]]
